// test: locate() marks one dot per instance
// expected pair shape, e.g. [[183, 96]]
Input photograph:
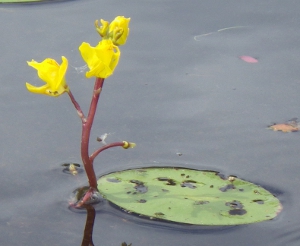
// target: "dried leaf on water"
[[289, 126]]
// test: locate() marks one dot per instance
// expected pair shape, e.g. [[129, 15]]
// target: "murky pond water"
[[180, 87]]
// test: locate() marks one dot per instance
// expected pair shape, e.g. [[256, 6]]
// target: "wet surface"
[[171, 93], [227, 187], [139, 186]]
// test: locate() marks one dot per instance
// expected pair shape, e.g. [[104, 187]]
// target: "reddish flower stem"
[[85, 136], [98, 151], [76, 105], [87, 196]]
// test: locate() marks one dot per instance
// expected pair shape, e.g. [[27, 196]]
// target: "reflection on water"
[[290, 235], [87, 239]]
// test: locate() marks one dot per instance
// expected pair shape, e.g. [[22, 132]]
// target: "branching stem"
[[87, 123], [98, 151], [86, 131]]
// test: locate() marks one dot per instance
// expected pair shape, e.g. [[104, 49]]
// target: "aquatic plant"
[[101, 61]]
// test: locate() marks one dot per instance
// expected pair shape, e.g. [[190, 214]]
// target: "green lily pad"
[[19, 1], [189, 196]]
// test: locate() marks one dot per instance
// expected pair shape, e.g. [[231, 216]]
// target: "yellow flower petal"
[[52, 74], [61, 73], [101, 60], [38, 90]]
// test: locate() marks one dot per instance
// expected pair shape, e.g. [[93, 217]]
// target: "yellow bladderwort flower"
[[52, 74], [118, 30], [101, 60]]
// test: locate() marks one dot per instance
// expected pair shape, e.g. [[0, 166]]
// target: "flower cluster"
[[101, 59]]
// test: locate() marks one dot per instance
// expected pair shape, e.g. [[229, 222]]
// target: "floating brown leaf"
[[285, 127]]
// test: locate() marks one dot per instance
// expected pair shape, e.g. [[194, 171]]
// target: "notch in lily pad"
[[204, 198]]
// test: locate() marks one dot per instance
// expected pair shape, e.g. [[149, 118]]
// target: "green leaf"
[[189, 196], [19, 1]]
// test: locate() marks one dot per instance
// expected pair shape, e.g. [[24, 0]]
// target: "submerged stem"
[[89, 226]]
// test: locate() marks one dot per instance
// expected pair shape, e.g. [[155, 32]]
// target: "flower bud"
[[127, 145], [102, 30], [118, 30]]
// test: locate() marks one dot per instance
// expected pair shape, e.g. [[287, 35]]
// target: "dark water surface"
[[173, 91]]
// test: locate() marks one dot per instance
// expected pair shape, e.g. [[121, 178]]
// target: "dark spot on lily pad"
[[159, 214], [237, 212], [211, 186], [136, 182], [142, 201], [113, 180], [139, 186], [169, 181], [162, 179], [227, 187], [201, 202], [189, 185], [259, 201], [164, 190], [190, 181], [182, 174], [235, 204]]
